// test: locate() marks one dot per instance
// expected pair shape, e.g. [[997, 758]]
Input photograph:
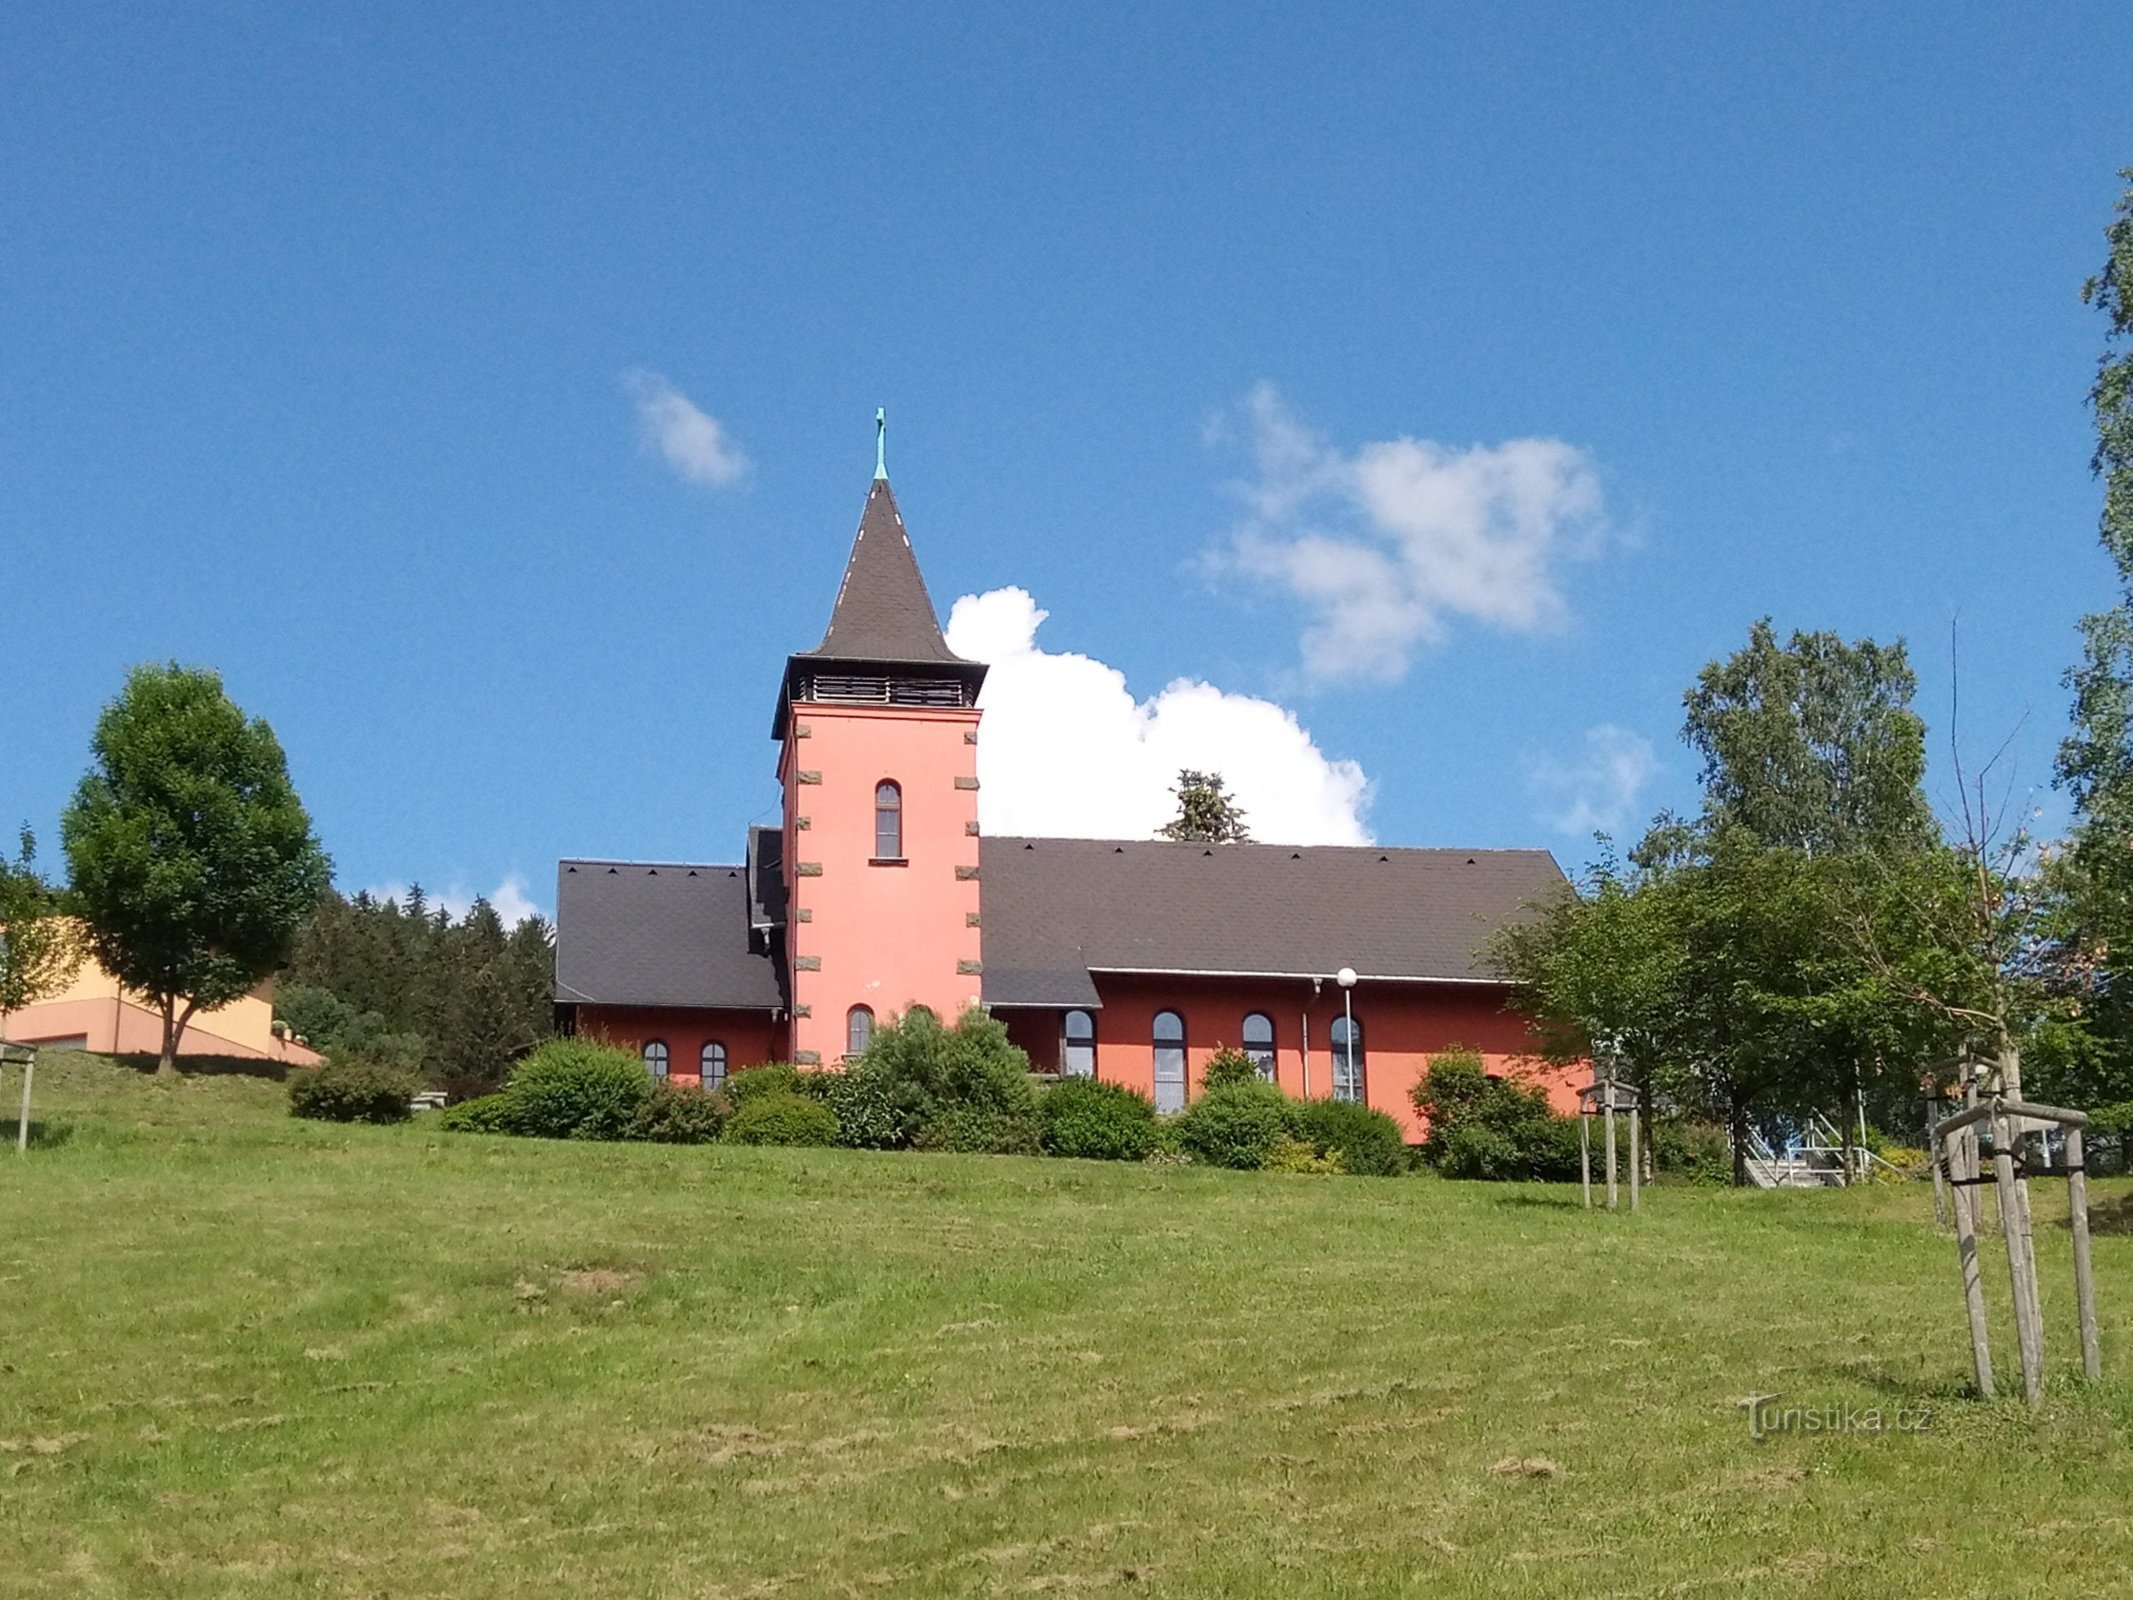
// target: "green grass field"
[[246, 1356]]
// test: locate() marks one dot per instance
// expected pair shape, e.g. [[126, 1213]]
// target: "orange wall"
[[750, 1037], [1402, 1024], [882, 936]]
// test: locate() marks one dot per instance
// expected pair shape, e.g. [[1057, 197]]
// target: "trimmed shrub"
[[1228, 1066], [1096, 1121], [972, 1064], [351, 1089], [1692, 1152], [782, 1117], [772, 1077], [1484, 1127], [489, 1114], [979, 1130], [577, 1089], [1235, 1126], [675, 1113], [1300, 1155], [875, 1109], [1475, 1150], [1367, 1141]]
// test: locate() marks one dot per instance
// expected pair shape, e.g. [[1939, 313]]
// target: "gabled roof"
[[659, 933], [883, 613], [1056, 910]]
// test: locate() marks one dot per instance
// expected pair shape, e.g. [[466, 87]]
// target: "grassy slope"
[[249, 1356]]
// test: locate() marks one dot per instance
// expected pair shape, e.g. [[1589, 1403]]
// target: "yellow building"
[[95, 1013]]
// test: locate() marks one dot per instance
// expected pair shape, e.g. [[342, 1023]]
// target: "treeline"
[[404, 982], [1815, 937]]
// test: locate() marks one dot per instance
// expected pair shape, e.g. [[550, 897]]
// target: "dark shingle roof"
[[658, 933], [883, 613], [1057, 909]]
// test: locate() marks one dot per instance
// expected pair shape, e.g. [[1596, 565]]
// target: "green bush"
[[1300, 1155], [1484, 1127], [1367, 1141], [782, 1117], [1476, 1150], [315, 1016], [772, 1077], [1690, 1152], [1227, 1067], [1236, 1126], [577, 1089], [875, 1108], [979, 1130], [971, 1065], [489, 1114], [352, 1089], [675, 1113], [1096, 1121]]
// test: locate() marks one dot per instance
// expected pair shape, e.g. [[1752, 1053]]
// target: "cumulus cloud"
[[1068, 750], [693, 442], [1386, 544], [512, 900], [1594, 790]]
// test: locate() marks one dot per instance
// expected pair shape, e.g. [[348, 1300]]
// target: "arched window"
[[1259, 1042], [655, 1059], [858, 1029], [888, 821], [1169, 1061], [1077, 1056], [713, 1065], [1347, 1060]]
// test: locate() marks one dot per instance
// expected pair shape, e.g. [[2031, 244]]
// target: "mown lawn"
[[241, 1355]]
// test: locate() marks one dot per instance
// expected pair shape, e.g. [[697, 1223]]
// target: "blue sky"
[[1232, 338]]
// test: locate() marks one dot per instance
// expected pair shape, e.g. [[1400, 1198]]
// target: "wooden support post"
[[1965, 1200], [1636, 1159], [2020, 1267], [2077, 1199], [1585, 1153], [1611, 1203], [1939, 1149], [22, 1123]]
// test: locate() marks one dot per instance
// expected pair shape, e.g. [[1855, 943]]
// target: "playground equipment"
[[1992, 1105]]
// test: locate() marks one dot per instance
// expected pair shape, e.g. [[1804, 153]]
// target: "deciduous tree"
[[191, 857]]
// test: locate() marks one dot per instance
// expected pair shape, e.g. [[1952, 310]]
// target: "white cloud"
[[694, 443], [1385, 544], [1069, 751], [1595, 789], [512, 900]]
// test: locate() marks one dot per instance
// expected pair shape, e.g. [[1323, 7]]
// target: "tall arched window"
[[1347, 1060], [1077, 1055], [655, 1059], [713, 1065], [1259, 1042], [1169, 1061], [888, 821], [858, 1029]]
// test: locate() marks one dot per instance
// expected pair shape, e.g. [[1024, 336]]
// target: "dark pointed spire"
[[883, 612]]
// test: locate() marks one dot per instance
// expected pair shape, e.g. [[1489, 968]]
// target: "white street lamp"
[[1346, 979]]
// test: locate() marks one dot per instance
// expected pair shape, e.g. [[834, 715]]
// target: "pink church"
[[1132, 960]]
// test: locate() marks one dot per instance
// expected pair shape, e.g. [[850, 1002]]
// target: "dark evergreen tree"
[[1206, 813]]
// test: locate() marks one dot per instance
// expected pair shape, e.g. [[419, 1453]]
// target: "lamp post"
[[1346, 979]]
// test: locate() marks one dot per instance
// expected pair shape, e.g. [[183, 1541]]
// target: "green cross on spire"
[[881, 444]]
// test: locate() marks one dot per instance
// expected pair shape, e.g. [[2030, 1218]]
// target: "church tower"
[[878, 728]]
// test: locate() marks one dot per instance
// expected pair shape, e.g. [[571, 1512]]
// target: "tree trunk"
[[174, 1022], [1738, 1118]]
